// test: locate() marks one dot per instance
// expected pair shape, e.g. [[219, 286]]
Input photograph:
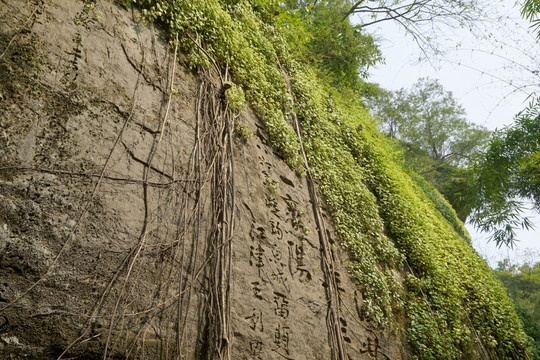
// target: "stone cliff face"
[[140, 222]]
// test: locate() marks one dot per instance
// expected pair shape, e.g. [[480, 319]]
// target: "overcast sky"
[[490, 78]]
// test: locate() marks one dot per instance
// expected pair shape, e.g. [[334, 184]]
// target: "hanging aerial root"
[[218, 145]]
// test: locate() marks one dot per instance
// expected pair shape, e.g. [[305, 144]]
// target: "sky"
[[490, 77]]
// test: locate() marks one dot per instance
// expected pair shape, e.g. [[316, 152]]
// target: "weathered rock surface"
[[113, 199]]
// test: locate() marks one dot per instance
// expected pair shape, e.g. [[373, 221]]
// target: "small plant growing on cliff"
[[243, 131], [236, 99], [271, 185]]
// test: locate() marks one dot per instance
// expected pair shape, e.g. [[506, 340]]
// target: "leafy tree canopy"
[[506, 175], [334, 45], [430, 118], [433, 134]]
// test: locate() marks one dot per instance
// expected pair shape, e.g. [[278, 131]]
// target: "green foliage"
[[388, 110], [243, 131], [337, 48], [234, 34], [532, 330], [447, 178], [353, 206], [388, 224], [430, 117], [457, 189], [453, 292], [531, 10], [271, 185], [508, 172], [523, 286], [236, 98], [442, 205], [510, 169], [436, 139]]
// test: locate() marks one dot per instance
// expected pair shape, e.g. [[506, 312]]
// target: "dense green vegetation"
[[523, 286], [306, 59]]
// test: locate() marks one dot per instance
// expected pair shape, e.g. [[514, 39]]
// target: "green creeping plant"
[[407, 250]]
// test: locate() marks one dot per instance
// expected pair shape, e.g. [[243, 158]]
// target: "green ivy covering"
[[395, 227], [441, 205]]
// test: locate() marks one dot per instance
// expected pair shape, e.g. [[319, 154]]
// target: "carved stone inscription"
[[278, 263], [287, 290], [271, 268]]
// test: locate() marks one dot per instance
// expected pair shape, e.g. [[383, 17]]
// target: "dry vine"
[[218, 128], [337, 343]]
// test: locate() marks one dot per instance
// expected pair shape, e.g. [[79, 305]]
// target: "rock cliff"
[[135, 224], [143, 216]]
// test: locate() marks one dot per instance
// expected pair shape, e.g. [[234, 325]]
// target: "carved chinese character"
[[271, 203], [296, 262], [257, 290], [256, 320], [292, 207], [279, 277], [281, 305], [305, 275], [258, 233], [281, 338], [299, 255], [256, 256], [276, 230], [255, 349], [295, 214], [276, 254], [371, 347]]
